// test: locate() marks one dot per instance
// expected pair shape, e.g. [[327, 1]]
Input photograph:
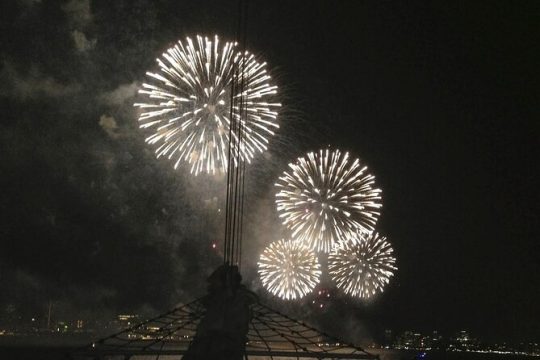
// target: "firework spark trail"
[[326, 196], [188, 104], [362, 266], [288, 269]]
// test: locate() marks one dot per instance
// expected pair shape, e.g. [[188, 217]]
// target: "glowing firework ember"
[[361, 267], [325, 196], [288, 269], [189, 101]]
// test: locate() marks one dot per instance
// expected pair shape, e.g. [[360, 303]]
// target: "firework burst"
[[288, 269], [325, 196], [362, 266], [188, 104]]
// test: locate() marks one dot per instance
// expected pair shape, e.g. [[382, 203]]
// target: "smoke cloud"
[[32, 84], [96, 223]]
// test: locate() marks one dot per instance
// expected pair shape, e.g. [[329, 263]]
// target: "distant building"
[[61, 327], [127, 320], [388, 338], [409, 340], [436, 341], [463, 341]]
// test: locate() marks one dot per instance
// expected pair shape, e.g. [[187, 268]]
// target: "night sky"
[[439, 99]]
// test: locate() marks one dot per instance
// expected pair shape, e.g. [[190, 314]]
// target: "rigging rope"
[[236, 168]]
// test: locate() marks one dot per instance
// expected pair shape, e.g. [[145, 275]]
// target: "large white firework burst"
[[188, 104], [325, 196], [288, 269], [362, 266]]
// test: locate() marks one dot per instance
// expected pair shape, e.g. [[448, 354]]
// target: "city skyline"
[[82, 331]]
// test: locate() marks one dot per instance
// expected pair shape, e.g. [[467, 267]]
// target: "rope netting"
[[271, 335]]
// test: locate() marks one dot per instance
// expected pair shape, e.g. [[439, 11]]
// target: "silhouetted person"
[[222, 332]]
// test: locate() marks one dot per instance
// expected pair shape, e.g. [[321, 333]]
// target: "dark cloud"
[[120, 95], [82, 43], [29, 2], [32, 84], [78, 12], [108, 124], [95, 222]]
